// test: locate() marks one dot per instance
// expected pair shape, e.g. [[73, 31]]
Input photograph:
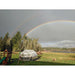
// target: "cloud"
[[60, 44]]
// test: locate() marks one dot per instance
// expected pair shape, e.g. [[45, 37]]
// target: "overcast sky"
[[24, 20]]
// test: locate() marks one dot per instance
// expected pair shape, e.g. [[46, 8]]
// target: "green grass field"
[[47, 58]]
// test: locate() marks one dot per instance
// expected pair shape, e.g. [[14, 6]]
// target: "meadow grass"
[[47, 59]]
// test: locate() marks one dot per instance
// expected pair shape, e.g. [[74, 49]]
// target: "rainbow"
[[47, 23], [30, 18], [38, 25]]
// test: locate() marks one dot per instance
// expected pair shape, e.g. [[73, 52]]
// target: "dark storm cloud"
[[11, 19]]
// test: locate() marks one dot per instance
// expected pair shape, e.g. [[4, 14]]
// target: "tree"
[[25, 37], [20, 43], [6, 37], [29, 43], [16, 40], [1, 43]]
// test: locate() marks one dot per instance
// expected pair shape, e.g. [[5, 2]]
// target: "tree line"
[[19, 43]]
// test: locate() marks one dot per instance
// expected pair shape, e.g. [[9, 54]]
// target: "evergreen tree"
[[1, 43], [16, 41], [6, 37]]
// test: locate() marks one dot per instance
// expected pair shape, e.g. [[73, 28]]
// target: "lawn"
[[47, 58]]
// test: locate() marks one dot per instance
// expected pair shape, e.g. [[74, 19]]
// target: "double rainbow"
[[71, 21]]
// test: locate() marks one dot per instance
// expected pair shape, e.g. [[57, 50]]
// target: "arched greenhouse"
[[28, 55]]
